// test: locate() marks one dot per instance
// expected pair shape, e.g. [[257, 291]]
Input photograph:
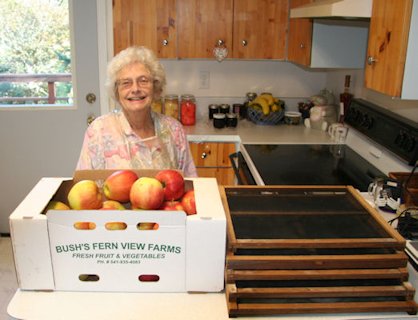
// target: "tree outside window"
[[34, 50]]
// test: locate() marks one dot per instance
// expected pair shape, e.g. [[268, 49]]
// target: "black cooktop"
[[317, 164]]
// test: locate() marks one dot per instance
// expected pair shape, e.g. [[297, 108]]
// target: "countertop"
[[250, 133]]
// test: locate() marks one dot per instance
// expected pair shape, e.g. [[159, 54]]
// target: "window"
[[35, 53]]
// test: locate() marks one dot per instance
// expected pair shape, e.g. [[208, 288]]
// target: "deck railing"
[[50, 78]]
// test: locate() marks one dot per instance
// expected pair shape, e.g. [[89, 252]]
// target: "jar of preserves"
[[212, 108], [157, 106], [219, 120], [231, 120], [171, 105], [188, 109], [250, 96], [225, 108]]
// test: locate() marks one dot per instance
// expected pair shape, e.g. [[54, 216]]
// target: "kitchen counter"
[[250, 133]]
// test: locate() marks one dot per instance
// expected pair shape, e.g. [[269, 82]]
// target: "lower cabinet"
[[212, 160]]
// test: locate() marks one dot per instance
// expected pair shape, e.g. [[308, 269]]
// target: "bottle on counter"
[[188, 109], [171, 105], [345, 98]]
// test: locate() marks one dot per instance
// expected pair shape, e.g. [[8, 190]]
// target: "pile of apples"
[[124, 189]]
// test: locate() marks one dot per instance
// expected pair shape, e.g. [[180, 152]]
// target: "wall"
[[230, 80], [405, 108]]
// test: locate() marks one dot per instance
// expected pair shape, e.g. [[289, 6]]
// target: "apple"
[[112, 205], [188, 202], [147, 193], [172, 205], [115, 226], [147, 226], [118, 185], [85, 195], [85, 225], [173, 183], [56, 205]]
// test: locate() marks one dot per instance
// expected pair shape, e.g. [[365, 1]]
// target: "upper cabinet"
[[327, 43], [145, 23], [300, 37], [392, 63], [260, 29], [201, 24], [247, 29]]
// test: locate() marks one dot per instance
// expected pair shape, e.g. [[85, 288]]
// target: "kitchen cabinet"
[[260, 29], [248, 29], [300, 37], [145, 23], [212, 160], [326, 43], [392, 64], [201, 24]]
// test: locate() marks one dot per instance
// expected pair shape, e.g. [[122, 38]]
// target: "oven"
[[378, 142]]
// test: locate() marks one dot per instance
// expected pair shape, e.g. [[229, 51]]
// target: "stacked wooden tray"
[[306, 249]]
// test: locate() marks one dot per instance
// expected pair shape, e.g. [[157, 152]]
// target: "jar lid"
[[171, 96], [225, 106], [231, 115], [219, 116], [213, 106], [187, 97]]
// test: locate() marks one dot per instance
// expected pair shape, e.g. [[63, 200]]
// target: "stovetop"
[[316, 164]]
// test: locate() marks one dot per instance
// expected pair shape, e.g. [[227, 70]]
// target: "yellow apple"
[[85, 195], [112, 205], [56, 205]]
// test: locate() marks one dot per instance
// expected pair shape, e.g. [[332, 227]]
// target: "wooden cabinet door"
[[300, 37], [212, 161], [201, 23], [145, 23], [260, 29], [388, 38]]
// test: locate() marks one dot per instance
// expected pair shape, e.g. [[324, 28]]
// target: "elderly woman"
[[135, 136]]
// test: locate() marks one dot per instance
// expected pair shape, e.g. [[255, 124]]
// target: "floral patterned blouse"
[[110, 143]]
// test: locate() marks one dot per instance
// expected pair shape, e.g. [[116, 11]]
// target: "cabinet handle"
[[244, 43], [221, 42], [165, 42], [204, 155], [302, 46], [371, 60]]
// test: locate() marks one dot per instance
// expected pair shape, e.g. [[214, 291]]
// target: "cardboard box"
[[186, 253]]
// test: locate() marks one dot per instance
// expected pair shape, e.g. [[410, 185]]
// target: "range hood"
[[338, 9]]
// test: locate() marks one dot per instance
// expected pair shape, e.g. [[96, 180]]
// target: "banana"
[[268, 97]]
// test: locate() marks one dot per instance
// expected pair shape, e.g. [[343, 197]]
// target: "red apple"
[[172, 205], [146, 193], [188, 202], [85, 195], [118, 185], [112, 205], [173, 183]]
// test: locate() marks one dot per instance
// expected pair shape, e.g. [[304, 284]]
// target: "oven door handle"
[[232, 158]]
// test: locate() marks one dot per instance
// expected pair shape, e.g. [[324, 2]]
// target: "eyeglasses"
[[142, 81]]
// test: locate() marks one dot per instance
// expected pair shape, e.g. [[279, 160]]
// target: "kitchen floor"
[[7, 276]]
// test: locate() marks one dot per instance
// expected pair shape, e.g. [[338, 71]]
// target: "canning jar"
[[212, 108], [231, 120], [188, 109], [171, 105], [219, 120], [157, 106], [225, 108]]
